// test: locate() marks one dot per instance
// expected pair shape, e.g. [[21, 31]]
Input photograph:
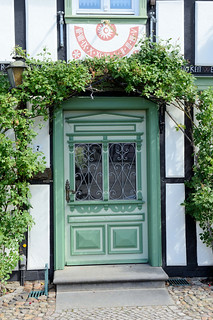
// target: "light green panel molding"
[[106, 218], [104, 128], [86, 116], [124, 19], [125, 239], [87, 240], [204, 82], [97, 207]]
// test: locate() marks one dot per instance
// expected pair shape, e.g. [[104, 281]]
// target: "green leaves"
[[47, 83], [18, 164], [155, 72], [200, 201]]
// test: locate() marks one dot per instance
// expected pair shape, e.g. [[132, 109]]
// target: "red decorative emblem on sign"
[[76, 54], [92, 52], [105, 31]]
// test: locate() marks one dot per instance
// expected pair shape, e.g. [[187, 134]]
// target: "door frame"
[[153, 169]]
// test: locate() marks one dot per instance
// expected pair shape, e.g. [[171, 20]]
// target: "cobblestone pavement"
[[191, 302]]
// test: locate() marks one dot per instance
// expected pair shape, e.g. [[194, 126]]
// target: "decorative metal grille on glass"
[[122, 171], [88, 171], [120, 4], [89, 4]]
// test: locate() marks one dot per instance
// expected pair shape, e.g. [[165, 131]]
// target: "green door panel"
[[126, 239], [87, 239], [115, 227]]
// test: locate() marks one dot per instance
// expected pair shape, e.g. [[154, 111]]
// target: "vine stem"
[[181, 129]]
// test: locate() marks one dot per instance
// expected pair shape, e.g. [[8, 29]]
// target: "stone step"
[[110, 286], [113, 298], [113, 277]]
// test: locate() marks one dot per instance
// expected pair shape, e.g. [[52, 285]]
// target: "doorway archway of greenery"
[[155, 72]]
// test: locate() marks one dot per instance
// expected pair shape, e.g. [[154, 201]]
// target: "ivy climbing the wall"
[[200, 200]]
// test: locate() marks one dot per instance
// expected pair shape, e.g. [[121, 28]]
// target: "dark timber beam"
[[189, 31], [20, 23]]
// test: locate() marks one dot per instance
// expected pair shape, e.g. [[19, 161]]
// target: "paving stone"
[[191, 303], [42, 298]]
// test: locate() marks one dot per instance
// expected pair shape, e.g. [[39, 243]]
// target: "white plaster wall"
[[41, 27], [204, 33], [42, 140], [175, 225], [170, 21], [7, 29], [39, 235], [174, 144], [204, 254]]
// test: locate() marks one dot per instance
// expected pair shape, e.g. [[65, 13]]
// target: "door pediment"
[[103, 117]]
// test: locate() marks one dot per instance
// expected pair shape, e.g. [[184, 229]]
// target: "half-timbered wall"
[[34, 24]]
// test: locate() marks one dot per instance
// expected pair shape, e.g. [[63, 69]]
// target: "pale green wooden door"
[[106, 209]]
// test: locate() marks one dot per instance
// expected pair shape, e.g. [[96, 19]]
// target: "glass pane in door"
[[122, 171], [88, 171]]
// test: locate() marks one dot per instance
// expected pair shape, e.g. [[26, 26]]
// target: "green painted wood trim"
[[58, 190], [109, 202], [77, 263], [139, 20], [70, 142], [113, 133], [115, 122], [72, 175], [86, 251], [111, 218], [105, 170], [92, 128], [139, 169], [127, 250], [89, 19], [68, 8], [107, 103], [77, 119], [111, 141], [153, 185], [204, 82], [143, 8]]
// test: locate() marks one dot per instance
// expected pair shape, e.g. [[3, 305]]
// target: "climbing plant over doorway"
[[154, 72]]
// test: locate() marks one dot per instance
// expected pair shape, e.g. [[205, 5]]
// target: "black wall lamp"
[[15, 71]]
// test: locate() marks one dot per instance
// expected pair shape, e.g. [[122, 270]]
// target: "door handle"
[[68, 191]]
